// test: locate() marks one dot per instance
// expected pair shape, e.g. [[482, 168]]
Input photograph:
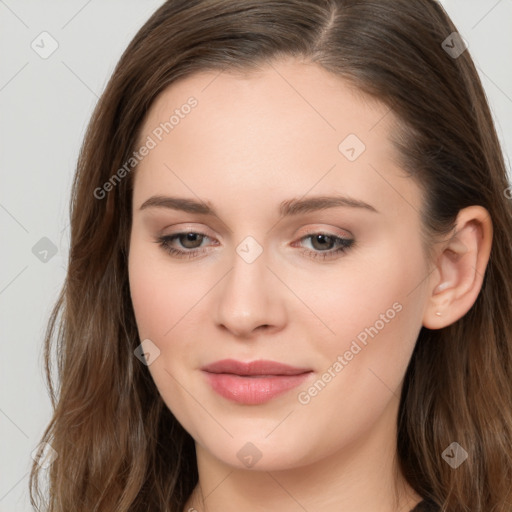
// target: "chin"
[[254, 452]]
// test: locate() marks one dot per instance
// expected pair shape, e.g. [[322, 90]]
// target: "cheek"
[[149, 298], [377, 320], [160, 313], [160, 294], [370, 296], [375, 312]]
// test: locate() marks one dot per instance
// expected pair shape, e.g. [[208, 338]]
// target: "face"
[[280, 325]]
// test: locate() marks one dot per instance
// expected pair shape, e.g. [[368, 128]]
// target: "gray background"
[[45, 106]]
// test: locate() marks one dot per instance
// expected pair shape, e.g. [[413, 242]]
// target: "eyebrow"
[[290, 207]]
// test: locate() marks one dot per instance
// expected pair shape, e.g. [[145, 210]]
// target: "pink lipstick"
[[255, 382]]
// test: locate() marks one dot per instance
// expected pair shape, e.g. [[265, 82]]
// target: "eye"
[[190, 240], [325, 242], [325, 245]]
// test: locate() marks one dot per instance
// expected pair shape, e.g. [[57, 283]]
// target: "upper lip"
[[259, 367]]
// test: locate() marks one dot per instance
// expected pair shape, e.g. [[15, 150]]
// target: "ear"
[[460, 267]]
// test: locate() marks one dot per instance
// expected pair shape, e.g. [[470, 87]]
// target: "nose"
[[249, 300]]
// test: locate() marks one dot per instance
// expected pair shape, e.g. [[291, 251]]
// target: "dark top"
[[423, 506]]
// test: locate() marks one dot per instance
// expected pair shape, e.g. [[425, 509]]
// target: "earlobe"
[[460, 269]]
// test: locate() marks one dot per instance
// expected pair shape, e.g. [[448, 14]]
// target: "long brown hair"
[[119, 447]]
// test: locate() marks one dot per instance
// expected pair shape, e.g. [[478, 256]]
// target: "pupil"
[[322, 239], [190, 237]]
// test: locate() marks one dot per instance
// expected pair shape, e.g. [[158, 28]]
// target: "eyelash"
[[345, 245]]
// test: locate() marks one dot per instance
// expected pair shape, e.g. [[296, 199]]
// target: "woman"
[[288, 285]]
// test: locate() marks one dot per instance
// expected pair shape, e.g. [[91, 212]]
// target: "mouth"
[[255, 382]]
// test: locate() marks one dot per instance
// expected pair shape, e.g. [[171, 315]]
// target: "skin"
[[252, 142]]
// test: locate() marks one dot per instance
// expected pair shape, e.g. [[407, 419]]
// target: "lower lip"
[[253, 390]]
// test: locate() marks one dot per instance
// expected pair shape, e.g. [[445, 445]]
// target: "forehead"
[[288, 90], [288, 125]]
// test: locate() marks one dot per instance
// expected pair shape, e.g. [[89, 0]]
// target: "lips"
[[253, 368], [254, 382]]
